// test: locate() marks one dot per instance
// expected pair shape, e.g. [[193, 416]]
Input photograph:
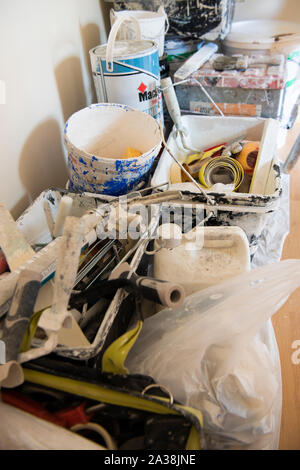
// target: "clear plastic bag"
[[218, 353]]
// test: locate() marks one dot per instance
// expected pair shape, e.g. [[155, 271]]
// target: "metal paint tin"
[[127, 72]]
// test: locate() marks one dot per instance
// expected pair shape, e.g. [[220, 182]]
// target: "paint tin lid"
[[127, 49]]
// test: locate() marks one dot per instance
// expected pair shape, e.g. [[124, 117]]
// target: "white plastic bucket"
[[127, 72], [154, 25], [96, 139], [261, 36]]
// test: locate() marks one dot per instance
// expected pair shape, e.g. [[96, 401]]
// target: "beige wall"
[[288, 10], [45, 70], [44, 65]]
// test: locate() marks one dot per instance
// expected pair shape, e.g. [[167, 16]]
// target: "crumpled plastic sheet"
[[23, 431], [277, 226], [242, 410]]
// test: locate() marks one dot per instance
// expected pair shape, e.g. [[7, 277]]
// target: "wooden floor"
[[287, 320]]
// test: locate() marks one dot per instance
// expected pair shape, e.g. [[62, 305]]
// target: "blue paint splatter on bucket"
[[82, 161]]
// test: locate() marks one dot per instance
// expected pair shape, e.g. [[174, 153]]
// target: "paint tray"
[[247, 210]]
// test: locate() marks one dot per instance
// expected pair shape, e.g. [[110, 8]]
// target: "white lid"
[[261, 32], [141, 15], [126, 49]]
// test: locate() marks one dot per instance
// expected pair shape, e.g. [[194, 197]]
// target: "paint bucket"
[[96, 139], [262, 36], [127, 71], [154, 25]]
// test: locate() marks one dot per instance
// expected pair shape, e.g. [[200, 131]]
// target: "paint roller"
[[162, 292]]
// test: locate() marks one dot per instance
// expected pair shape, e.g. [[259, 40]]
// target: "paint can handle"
[[112, 37], [161, 11]]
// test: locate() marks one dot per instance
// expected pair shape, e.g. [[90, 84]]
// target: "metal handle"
[[112, 37], [164, 389]]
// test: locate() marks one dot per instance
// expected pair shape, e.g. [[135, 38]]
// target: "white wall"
[[44, 64], [288, 10]]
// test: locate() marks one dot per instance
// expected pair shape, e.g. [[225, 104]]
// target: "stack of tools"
[[65, 337]]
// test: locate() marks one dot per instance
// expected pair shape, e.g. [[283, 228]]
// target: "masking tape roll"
[[248, 156], [175, 174], [232, 171]]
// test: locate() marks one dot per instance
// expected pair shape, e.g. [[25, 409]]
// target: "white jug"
[[202, 257]]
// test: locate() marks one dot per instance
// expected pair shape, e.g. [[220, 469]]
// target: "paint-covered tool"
[[12, 242], [195, 61], [64, 210], [44, 262], [21, 309], [223, 62]]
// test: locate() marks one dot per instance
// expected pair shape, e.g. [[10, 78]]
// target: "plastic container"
[[216, 254], [245, 210], [154, 25], [275, 37], [257, 91], [96, 139], [261, 36], [208, 19], [127, 71]]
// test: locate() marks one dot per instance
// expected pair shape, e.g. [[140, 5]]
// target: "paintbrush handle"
[[20, 311], [172, 102], [64, 210]]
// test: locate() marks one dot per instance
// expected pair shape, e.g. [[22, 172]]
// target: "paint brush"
[[20, 311], [12, 242]]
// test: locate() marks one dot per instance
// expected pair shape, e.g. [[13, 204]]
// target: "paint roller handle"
[[162, 292], [20, 311], [64, 210], [159, 291], [172, 103]]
